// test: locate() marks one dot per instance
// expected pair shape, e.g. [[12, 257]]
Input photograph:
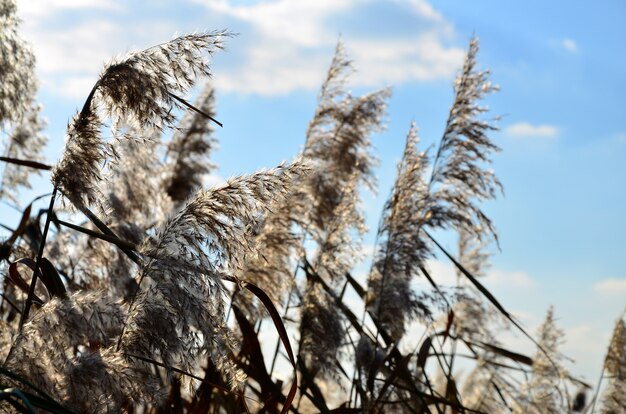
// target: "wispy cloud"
[[570, 45], [620, 137], [32, 9], [526, 129], [514, 279], [284, 46], [446, 275], [289, 44], [212, 180], [70, 58], [611, 286]]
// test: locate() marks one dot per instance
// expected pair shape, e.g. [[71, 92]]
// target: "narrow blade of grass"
[[26, 163]]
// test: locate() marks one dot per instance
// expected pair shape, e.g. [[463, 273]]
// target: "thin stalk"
[[597, 393], [42, 245], [193, 108], [284, 315], [108, 238]]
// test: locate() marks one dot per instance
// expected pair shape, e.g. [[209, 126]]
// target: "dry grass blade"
[[18, 280], [19, 231], [284, 337], [26, 163], [199, 111], [480, 287], [495, 302]]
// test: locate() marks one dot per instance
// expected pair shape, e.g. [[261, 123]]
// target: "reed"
[[144, 292]]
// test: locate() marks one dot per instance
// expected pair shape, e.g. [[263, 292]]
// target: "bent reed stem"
[[42, 245]]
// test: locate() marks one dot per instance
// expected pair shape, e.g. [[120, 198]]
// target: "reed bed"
[[137, 290]]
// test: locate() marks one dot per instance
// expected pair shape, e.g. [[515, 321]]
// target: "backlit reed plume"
[[139, 90], [190, 148], [53, 345], [134, 198], [459, 181], [321, 332], [449, 199], [473, 319], [614, 397], [322, 329], [401, 249], [134, 205], [26, 142], [485, 387], [18, 83], [338, 142], [179, 311], [542, 393], [273, 268]]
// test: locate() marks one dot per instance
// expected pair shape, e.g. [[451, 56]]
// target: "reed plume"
[[448, 199], [135, 177], [402, 249], [133, 204], [614, 398], [338, 142], [272, 269], [485, 387], [322, 329], [474, 320], [459, 181], [53, 343], [190, 148], [179, 311], [339, 146], [26, 142], [542, 393], [18, 82], [139, 90]]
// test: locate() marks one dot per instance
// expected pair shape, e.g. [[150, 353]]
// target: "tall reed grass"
[[141, 291]]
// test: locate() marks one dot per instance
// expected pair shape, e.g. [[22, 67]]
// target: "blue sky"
[[560, 66]]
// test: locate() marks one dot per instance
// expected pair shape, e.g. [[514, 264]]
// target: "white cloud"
[[28, 9], [284, 46], [445, 274], [570, 45], [69, 60], [293, 44], [611, 286], [515, 279], [296, 22], [73, 87], [212, 180], [82, 48], [423, 58], [274, 70], [525, 129], [577, 339]]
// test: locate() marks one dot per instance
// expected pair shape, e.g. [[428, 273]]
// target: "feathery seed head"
[[26, 141], [78, 172], [18, 83], [190, 148], [179, 311], [136, 91], [321, 330], [139, 87]]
